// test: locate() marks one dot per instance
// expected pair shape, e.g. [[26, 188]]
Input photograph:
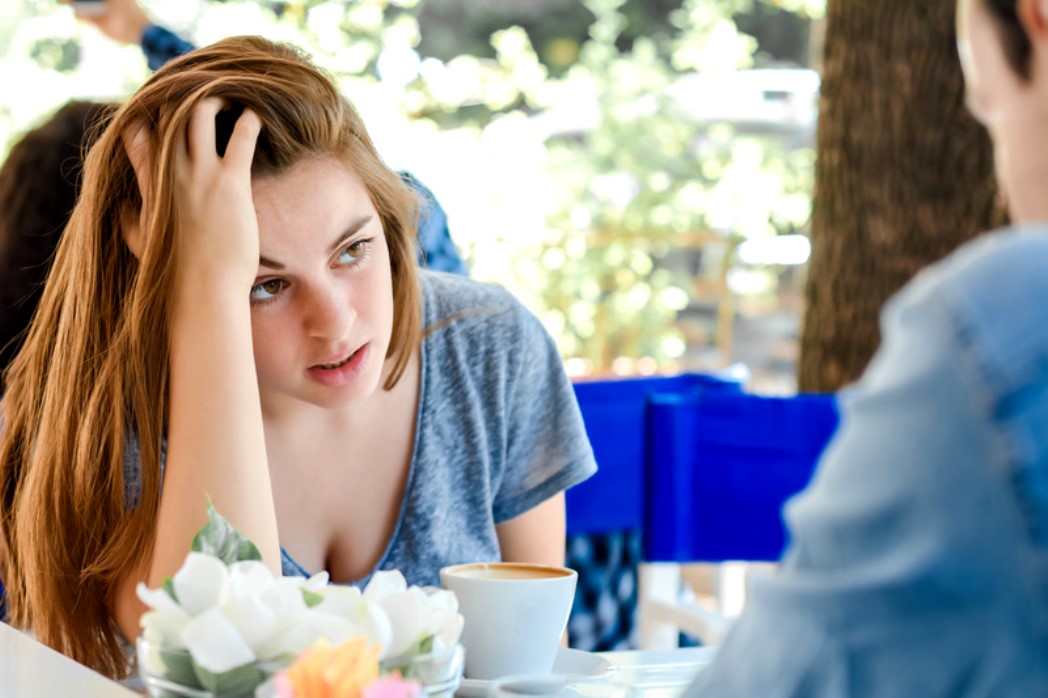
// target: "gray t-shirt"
[[498, 430]]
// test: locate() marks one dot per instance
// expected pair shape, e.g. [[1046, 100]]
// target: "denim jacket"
[[917, 565]]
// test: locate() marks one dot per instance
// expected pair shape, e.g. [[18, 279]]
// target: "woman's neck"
[[292, 425]]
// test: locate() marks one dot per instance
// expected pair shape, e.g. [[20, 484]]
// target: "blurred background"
[[638, 172]]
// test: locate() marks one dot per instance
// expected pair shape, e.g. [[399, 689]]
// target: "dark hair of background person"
[[39, 184], [1017, 47]]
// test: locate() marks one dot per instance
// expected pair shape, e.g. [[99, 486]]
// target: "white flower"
[[201, 583], [384, 583], [415, 614], [442, 619], [158, 599], [317, 582], [405, 616], [215, 644], [252, 618], [230, 615], [368, 619], [165, 627]]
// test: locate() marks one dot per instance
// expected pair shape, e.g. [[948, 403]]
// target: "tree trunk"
[[904, 174]]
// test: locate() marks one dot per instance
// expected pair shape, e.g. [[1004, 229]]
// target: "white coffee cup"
[[515, 614]]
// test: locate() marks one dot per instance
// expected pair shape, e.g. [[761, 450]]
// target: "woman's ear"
[[139, 152]]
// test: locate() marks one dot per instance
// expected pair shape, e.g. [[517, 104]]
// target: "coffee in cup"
[[515, 614]]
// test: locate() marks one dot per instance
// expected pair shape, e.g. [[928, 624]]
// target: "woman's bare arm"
[[215, 441], [537, 535]]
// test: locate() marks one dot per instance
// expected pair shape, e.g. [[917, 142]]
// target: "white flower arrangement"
[[239, 623]]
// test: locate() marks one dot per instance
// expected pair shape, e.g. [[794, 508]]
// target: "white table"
[[29, 669], [660, 673]]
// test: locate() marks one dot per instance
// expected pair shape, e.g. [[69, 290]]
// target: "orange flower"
[[324, 671]]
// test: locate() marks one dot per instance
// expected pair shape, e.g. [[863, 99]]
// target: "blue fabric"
[[437, 251], [918, 564], [160, 45]]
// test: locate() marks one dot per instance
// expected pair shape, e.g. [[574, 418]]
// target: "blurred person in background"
[[918, 562], [39, 184]]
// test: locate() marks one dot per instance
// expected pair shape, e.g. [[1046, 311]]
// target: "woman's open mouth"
[[340, 372]]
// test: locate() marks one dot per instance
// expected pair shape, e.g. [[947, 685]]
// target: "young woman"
[[918, 558], [235, 311]]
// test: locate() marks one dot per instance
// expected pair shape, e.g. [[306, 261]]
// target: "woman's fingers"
[[201, 132], [241, 149], [217, 218], [202, 143]]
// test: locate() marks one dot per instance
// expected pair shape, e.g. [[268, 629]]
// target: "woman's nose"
[[328, 313]]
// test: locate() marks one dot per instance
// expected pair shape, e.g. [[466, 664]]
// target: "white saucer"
[[568, 662]]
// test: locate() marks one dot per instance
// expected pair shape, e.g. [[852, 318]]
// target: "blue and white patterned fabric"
[[602, 617]]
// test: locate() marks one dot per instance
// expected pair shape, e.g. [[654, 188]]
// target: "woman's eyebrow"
[[350, 231], [345, 235]]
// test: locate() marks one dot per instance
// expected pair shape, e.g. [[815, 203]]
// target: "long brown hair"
[[39, 184], [93, 373]]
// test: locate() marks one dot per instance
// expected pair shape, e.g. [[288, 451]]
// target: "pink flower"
[[392, 686]]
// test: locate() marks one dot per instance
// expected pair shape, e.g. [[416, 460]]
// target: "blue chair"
[[720, 467], [606, 513], [615, 415]]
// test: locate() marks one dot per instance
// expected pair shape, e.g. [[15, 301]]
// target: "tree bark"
[[904, 174]]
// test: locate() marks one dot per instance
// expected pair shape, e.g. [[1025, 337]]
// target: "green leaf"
[[169, 587], [311, 598], [426, 645], [220, 539], [179, 667], [241, 681]]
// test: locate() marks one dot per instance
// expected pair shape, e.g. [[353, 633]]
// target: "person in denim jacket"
[[918, 558]]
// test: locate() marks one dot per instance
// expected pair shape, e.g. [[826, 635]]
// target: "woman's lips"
[[340, 373]]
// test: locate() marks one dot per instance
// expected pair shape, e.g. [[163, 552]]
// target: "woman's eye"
[[353, 251], [266, 290]]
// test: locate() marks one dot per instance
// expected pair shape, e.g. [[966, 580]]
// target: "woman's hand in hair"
[[215, 213], [215, 436]]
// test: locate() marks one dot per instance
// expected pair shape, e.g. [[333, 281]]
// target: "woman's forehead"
[[313, 200]]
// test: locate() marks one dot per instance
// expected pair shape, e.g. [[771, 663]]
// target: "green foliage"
[[241, 681], [576, 187], [169, 587], [220, 539], [311, 598]]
